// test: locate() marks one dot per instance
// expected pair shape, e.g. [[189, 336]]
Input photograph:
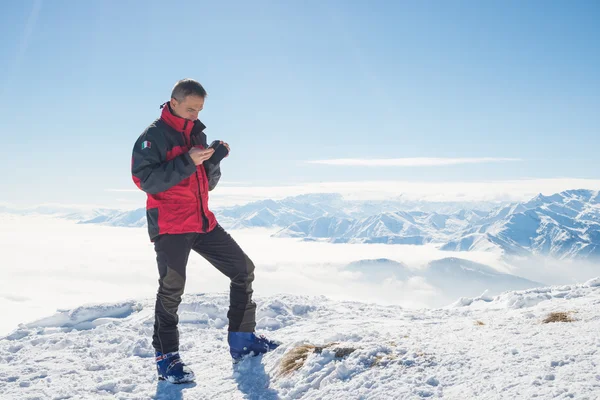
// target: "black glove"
[[220, 152]]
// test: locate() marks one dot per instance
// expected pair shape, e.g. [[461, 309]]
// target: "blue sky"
[[516, 84]]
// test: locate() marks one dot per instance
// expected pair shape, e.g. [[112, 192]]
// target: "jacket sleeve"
[[149, 168], [213, 172]]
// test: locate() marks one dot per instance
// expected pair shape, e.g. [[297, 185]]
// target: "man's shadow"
[[253, 381], [170, 391], [250, 376]]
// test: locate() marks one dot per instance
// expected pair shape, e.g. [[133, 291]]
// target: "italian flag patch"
[[146, 145]]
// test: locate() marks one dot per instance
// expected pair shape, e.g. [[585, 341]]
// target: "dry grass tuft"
[[296, 357], [558, 317]]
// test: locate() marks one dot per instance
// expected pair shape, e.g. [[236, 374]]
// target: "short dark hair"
[[187, 87]]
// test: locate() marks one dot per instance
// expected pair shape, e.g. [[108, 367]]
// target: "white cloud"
[[440, 191], [409, 162]]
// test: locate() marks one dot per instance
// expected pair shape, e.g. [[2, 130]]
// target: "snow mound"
[[87, 317], [593, 282], [529, 297]]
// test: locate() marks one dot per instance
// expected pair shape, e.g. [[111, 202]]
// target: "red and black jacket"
[[177, 189]]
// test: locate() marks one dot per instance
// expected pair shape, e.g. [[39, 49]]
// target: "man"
[[171, 163]]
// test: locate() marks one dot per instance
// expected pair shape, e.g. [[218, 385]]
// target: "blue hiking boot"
[[244, 343], [171, 368]]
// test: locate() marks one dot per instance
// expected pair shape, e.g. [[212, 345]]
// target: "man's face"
[[188, 108]]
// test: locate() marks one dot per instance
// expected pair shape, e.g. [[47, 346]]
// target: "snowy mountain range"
[[563, 225], [537, 343]]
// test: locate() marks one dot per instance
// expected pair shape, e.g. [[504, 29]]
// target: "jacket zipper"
[[204, 219], [202, 216]]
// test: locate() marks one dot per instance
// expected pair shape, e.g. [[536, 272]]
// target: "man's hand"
[[200, 155]]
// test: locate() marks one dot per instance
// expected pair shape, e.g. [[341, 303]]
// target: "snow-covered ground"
[[474, 349]]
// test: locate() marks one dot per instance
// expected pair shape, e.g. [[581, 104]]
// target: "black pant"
[[218, 248]]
